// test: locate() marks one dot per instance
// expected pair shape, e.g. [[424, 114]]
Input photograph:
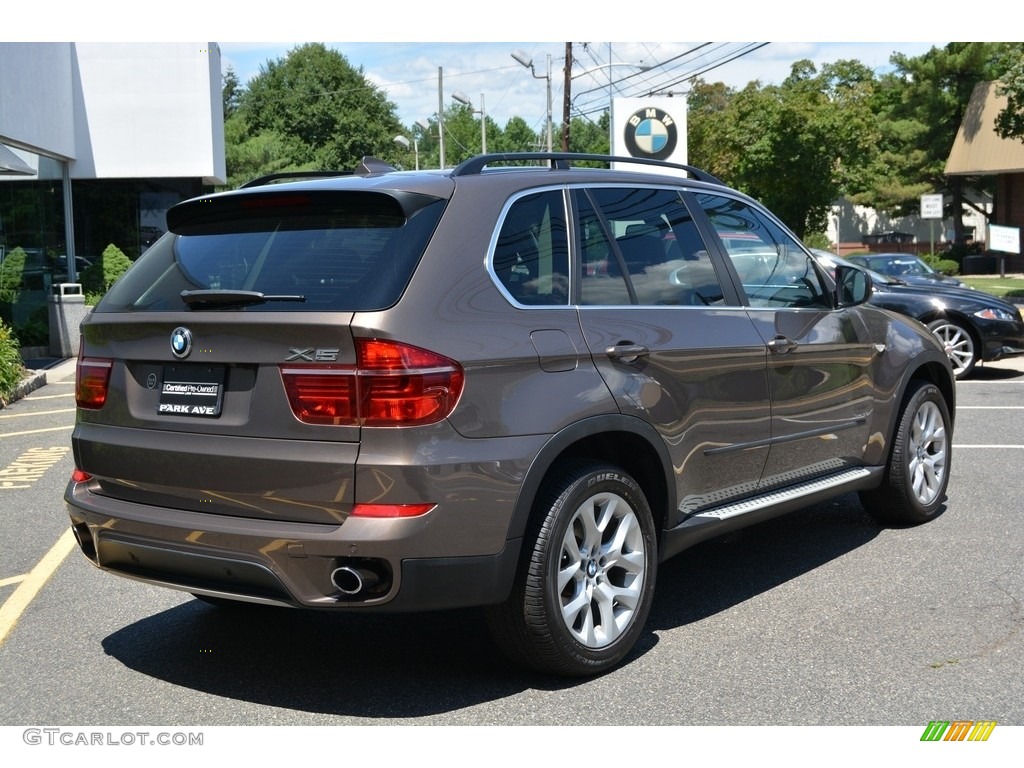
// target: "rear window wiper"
[[216, 297]]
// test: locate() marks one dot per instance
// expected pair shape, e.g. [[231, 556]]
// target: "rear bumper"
[[284, 563]]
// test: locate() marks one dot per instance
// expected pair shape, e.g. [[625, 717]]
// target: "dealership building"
[[97, 141]]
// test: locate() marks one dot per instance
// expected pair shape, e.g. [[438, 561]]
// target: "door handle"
[[780, 345], [627, 353]]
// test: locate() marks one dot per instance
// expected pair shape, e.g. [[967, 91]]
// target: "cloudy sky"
[[401, 44], [409, 71]]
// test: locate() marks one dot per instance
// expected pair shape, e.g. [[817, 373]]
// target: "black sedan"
[[973, 326], [906, 267]]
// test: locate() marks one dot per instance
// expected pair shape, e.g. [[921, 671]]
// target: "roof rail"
[[366, 166], [562, 160]]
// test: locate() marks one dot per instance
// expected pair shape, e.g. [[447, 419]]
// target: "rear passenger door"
[[819, 357], [671, 340]]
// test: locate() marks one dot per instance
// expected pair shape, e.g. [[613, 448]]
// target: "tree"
[[784, 145], [230, 92], [922, 105], [310, 110], [587, 136], [1010, 122], [518, 136]]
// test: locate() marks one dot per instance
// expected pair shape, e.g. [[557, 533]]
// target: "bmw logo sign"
[[651, 133], [181, 342]]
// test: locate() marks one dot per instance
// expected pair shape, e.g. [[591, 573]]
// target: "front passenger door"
[[819, 357]]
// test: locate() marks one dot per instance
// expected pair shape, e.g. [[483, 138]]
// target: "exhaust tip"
[[364, 578], [85, 541], [348, 580]]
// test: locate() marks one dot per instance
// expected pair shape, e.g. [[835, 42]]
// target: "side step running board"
[[718, 520]]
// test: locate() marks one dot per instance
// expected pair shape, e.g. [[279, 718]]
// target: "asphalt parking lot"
[[819, 618]]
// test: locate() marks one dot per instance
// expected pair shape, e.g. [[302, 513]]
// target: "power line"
[[662, 76]]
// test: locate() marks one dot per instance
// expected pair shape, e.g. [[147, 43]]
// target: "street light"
[[526, 61], [402, 141], [462, 98]]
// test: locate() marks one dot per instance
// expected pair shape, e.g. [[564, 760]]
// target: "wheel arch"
[[956, 317], [624, 441], [933, 371]]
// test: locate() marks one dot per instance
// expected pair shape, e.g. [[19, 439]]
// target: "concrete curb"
[[34, 379], [30, 383]]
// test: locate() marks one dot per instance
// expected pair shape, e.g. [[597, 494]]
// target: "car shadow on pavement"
[[417, 665], [718, 574], [996, 372]]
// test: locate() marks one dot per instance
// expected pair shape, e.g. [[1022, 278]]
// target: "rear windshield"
[[315, 252]]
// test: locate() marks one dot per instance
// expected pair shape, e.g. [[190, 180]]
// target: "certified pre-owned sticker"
[[188, 391]]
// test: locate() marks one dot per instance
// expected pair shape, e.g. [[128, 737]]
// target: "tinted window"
[[773, 267], [349, 252], [641, 246], [531, 257]]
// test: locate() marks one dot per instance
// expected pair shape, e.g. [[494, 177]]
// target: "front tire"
[[914, 485], [586, 583], [959, 345]]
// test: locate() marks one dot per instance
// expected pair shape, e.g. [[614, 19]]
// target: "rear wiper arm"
[[216, 297]]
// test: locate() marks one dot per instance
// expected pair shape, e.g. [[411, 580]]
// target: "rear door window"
[[641, 246]]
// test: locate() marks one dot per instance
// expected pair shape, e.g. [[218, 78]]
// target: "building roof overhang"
[[978, 150]]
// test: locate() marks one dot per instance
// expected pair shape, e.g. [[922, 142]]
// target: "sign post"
[[931, 208], [1004, 240]]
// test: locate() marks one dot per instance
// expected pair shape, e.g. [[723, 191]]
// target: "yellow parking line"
[[35, 431], [11, 580], [36, 413], [16, 604], [48, 397]]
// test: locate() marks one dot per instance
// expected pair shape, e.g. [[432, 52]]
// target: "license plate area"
[[192, 390]]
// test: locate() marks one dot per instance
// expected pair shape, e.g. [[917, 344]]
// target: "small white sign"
[[1005, 239], [931, 206]]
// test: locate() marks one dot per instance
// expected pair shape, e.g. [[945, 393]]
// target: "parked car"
[[907, 267], [519, 388], [972, 326]]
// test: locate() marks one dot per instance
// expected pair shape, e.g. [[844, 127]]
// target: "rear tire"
[[586, 582], [914, 487]]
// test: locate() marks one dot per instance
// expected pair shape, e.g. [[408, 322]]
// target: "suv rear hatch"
[[220, 374]]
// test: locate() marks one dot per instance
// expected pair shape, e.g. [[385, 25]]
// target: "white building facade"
[[97, 140]]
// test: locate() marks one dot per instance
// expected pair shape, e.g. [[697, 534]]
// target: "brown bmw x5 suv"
[[518, 384]]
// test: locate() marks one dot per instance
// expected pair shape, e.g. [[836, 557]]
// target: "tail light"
[[391, 385], [92, 379]]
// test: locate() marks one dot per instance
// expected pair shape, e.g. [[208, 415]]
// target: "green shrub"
[[946, 266], [817, 240], [98, 278], [11, 275], [35, 331], [11, 366]]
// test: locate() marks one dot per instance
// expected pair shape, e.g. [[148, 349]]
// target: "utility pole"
[[567, 97], [440, 113]]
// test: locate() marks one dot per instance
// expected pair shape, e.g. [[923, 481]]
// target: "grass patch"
[[1006, 287]]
